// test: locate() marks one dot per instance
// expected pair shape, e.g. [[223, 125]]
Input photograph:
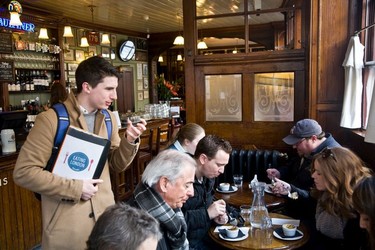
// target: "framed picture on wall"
[[139, 85], [140, 96], [145, 83], [113, 41], [106, 52], [145, 69], [80, 55], [145, 94], [69, 55]]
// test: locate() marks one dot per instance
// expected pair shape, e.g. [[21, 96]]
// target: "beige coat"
[[68, 220]]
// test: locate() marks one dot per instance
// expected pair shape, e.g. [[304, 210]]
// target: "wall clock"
[[127, 50]]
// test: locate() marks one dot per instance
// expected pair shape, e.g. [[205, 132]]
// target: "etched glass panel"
[[274, 97], [223, 97]]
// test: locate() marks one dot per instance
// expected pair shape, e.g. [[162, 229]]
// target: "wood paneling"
[[20, 212]]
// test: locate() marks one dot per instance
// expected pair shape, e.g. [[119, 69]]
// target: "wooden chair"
[[123, 183], [144, 154], [163, 135]]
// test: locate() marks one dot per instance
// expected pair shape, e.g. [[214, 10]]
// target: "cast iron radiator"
[[251, 162]]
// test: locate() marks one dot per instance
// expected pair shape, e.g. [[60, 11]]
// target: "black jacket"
[[195, 211]]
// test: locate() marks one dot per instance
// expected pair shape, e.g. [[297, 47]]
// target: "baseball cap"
[[303, 129]]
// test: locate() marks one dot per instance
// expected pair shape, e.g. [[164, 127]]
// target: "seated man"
[[308, 139], [124, 227], [211, 155], [167, 183]]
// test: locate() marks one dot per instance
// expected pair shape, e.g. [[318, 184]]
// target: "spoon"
[[232, 220]]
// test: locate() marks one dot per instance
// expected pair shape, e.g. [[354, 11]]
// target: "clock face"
[[127, 50]]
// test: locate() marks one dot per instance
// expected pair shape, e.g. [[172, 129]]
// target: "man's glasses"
[[326, 153], [299, 142]]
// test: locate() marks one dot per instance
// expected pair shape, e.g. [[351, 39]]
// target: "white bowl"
[[232, 232], [289, 229], [224, 186]]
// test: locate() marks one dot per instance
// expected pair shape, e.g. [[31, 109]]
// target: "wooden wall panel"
[[20, 212]]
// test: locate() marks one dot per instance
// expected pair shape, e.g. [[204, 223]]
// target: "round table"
[[244, 196], [261, 239]]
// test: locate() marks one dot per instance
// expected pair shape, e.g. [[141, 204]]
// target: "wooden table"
[[260, 239], [244, 196]]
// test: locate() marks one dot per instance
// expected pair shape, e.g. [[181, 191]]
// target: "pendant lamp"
[[202, 45], [43, 34], [179, 40], [68, 31], [105, 39], [160, 59], [84, 42], [15, 10]]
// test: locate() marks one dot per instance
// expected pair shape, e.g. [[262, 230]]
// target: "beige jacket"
[[68, 220]]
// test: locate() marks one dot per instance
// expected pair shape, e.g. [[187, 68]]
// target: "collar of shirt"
[[85, 112], [178, 146]]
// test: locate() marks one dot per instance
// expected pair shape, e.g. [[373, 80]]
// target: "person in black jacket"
[[212, 154], [364, 203]]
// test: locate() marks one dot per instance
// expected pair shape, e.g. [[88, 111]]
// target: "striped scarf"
[[171, 220]]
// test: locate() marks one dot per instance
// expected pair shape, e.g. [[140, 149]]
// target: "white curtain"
[[370, 130], [353, 63]]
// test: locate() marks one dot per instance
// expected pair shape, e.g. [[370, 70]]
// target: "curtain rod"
[[365, 28]]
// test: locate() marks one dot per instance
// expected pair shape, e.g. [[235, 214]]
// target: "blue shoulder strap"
[[62, 124], [108, 122]]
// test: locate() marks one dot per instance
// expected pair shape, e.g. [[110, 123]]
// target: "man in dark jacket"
[[308, 139], [212, 154]]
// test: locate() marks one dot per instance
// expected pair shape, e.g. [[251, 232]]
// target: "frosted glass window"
[[223, 97], [274, 97]]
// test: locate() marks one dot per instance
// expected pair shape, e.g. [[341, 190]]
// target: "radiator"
[[251, 162]]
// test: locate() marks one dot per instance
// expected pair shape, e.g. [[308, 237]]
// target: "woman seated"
[[167, 183], [187, 138], [335, 172], [364, 203]]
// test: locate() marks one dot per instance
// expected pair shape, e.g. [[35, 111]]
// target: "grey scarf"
[[171, 220]]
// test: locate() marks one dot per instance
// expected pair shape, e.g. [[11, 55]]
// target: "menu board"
[[6, 71], [6, 42]]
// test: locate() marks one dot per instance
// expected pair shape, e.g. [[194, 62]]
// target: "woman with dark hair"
[[364, 203], [58, 93], [335, 172]]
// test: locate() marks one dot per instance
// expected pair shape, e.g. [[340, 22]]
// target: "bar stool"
[[144, 154]]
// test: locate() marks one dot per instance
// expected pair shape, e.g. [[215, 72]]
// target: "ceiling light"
[[15, 10], [68, 31], [202, 45], [179, 57], [84, 42], [235, 51], [105, 39], [43, 34], [179, 40], [160, 59]]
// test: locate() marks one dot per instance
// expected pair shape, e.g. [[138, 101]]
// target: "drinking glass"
[[245, 213], [238, 180]]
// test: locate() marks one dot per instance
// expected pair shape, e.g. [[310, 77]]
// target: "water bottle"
[[258, 209]]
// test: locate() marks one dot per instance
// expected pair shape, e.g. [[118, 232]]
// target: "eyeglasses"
[[326, 153], [298, 143]]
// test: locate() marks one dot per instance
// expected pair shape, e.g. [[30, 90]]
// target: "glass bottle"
[[258, 209]]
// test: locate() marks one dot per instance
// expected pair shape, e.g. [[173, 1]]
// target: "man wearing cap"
[[308, 139]]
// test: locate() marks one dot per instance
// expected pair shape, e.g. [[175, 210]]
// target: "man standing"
[[212, 154], [70, 207]]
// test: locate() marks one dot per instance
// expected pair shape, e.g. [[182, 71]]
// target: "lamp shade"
[[202, 45], [43, 34], [68, 31], [15, 19], [179, 57], [160, 59], [15, 9], [84, 42], [179, 40], [105, 39]]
